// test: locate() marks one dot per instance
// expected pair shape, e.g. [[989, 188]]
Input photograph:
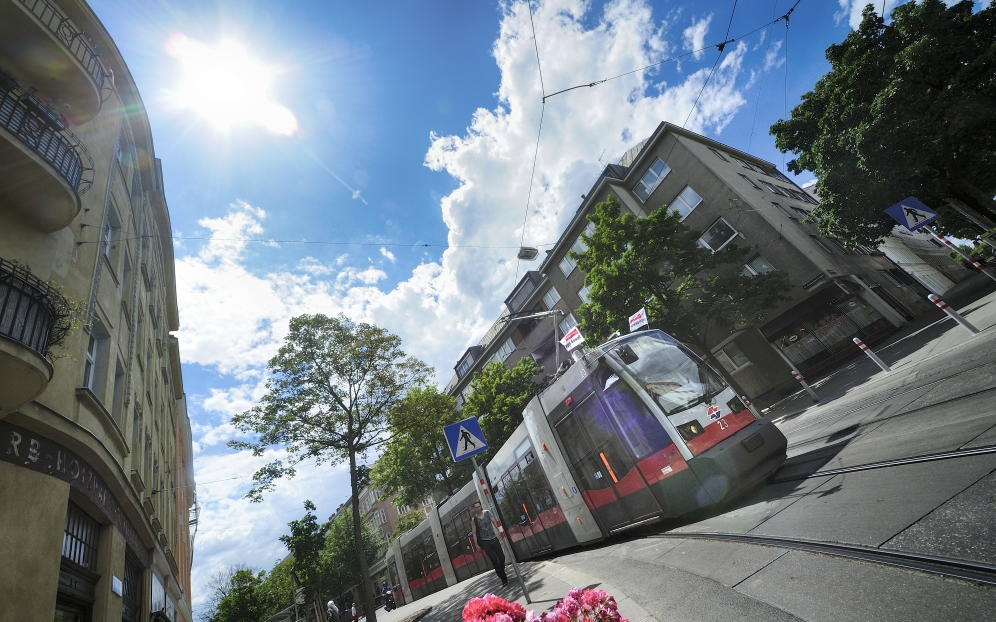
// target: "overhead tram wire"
[[539, 133], [719, 46]]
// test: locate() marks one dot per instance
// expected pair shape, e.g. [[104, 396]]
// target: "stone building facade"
[[97, 492], [730, 197]]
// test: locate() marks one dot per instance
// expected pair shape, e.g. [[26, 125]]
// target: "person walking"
[[356, 615], [333, 611], [486, 536]]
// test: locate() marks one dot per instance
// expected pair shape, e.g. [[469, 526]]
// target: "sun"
[[228, 87]]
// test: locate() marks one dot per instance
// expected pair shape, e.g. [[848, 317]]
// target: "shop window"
[[651, 179], [82, 535], [732, 358], [158, 594], [756, 266], [718, 235]]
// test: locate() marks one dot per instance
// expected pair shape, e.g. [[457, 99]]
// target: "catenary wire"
[[318, 242]]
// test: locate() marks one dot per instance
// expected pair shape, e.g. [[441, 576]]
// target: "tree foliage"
[[306, 542], [331, 388], [907, 109], [656, 262], [416, 461], [499, 396], [338, 561], [240, 593]]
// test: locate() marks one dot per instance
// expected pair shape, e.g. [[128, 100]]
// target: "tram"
[[636, 430]]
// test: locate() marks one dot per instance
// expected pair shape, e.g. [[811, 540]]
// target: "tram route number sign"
[[465, 439]]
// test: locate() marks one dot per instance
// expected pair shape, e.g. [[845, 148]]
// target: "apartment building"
[[97, 491], [731, 197]]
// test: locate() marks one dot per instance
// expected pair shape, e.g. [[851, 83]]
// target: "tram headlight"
[[690, 430]]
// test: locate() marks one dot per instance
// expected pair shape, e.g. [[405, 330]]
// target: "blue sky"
[[415, 124]]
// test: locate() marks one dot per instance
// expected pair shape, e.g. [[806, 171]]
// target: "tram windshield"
[[675, 380]]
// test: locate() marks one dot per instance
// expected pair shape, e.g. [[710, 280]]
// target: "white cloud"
[[388, 254], [233, 318], [851, 9], [772, 59], [695, 35]]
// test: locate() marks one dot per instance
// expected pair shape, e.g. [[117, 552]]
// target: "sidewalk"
[[932, 347]]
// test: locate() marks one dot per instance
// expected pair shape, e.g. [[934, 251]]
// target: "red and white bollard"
[[805, 385], [943, 306], [975, 264], [871, 355]]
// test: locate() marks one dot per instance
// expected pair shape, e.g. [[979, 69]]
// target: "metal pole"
[[871, 355], [486, 499], [943, 306], [805, 385], [975, 264]]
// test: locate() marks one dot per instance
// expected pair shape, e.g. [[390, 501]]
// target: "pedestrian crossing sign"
[[912, 214], [465, 439]]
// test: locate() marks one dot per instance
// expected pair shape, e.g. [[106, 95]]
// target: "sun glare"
[[227, 86]]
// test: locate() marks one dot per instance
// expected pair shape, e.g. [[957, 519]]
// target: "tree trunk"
[[366, 585]]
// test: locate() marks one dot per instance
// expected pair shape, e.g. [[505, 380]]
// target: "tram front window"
[[674, 380]]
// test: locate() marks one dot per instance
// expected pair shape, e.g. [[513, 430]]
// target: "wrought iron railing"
[[32, 312], [26, 117], [74, 39]]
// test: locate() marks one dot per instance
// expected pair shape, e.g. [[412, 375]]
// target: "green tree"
[[409, 520], [499, 396], [656, 262], [416, 461], [339, 565], [332, 385], [907, 109], [236, 595], [306, 542]]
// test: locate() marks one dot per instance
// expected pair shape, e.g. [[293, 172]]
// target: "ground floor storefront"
[[69, 544]]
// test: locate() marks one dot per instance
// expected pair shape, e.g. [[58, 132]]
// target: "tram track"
[[942, 566], [944, 455]]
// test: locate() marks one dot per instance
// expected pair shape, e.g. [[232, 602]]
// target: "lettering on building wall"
[[37, 453]]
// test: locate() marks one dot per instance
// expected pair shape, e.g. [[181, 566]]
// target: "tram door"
[[614, 488], [526, 507]]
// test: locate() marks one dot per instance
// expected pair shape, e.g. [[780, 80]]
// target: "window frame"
[[655, 183], [584, 293], [750, 181], [733, 368], [551, 301], [718, 154], [684, 202], [567, 324], [754, 271], [724, 244]]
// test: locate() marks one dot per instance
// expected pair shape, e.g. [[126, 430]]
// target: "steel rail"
[[944, 566], [944, 455]]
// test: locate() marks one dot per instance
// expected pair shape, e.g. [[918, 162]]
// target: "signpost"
[[913, 215], [466, 440]]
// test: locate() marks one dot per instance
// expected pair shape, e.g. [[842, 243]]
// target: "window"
[[718, 154], [567, 324], [467, 392], [821, 244], [504, 351], [110, 235], [567, 264], [119, 389], [890, 278], [756, 266], [801, 214], [774, 189], [686, 202], [465, 366], [732, 358], [96, 358], [551, 297], [778, 175], [583, 293], [785, 210], [81, 538], [718, 235], [749, 166], [808, 198], [750, 181], [651, 179]]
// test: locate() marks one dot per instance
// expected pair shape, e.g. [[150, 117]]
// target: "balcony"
[[51, 54], [44, 169], [32, 316]]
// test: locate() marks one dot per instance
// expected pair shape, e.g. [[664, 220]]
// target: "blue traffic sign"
[[912, 214], [465, 439]]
